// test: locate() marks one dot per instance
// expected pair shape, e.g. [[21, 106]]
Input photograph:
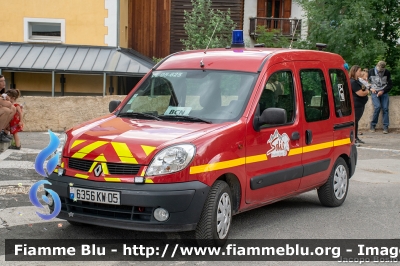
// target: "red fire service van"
[[209, 134]]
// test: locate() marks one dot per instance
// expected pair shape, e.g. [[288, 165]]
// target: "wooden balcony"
[[288, 27]]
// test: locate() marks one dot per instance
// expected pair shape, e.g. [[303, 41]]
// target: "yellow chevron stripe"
[[123, 152], [216, 166], [112, 179], [87, 149], [92, 167], [77, 142], [101, 158], [256, 158], [82, 176], [105, 168], [148, 149], [148, 181]]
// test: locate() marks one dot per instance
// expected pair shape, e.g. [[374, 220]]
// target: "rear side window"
[[341, 92], [315, 95]]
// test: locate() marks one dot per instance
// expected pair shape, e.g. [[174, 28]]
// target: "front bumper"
[[184, 202]]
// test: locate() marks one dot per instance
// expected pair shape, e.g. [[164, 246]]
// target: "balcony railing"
[[289, 27]]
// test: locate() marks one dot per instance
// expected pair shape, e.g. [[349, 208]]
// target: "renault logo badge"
[[98, 170]]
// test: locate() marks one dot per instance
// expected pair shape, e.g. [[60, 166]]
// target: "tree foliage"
[[201, 22], [361, 31], [271, 38]]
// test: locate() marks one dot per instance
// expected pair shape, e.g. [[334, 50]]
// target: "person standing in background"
[[379, 77], [360, 96]]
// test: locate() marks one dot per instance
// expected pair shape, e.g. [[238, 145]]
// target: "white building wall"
[[111, 22], [298, 12], [250, 10]]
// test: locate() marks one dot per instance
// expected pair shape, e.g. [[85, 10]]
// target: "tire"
[[213, 229], [333, 193]]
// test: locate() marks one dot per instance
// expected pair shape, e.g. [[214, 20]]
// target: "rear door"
[[317, 126], [273, 154]]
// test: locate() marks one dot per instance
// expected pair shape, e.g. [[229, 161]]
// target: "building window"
[[44, 30]]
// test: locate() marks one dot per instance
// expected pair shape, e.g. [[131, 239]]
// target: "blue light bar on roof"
[[237, 38]]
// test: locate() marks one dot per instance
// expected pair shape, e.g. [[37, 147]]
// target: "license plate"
[[93, 195]]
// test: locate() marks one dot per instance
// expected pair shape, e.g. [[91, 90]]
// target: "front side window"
[[191, 95], [315, 97], [279, 93], [341, 92]]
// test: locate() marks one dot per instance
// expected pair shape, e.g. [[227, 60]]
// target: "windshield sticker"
[[168, 74], [279, 144], [341, 93], [129, 111], [173, 110]]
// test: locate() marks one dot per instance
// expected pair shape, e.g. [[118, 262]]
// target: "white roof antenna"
[[294, 31], [201, 62]]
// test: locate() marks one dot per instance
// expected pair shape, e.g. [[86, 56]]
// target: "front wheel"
[[216, 216], [334, 191]]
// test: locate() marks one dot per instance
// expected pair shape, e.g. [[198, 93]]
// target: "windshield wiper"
[[187, 118], [140, 114]]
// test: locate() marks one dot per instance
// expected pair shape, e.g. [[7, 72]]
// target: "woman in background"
[[360, 96]]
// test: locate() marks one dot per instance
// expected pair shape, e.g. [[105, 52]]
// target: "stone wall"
[[58, 113], [394, 114]]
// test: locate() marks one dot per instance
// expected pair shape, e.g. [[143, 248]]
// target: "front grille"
[[120, 212], [113, 168], [77, 164], [123, 169]]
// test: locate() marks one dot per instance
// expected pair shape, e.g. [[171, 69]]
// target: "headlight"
[[171, 159], [63, 139]]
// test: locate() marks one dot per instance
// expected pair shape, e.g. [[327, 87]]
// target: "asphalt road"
[[371, 210]]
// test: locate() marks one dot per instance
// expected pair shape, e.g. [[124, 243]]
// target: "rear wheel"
[[216, 217], [334, 191]]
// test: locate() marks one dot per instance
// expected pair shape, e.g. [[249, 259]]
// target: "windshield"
[[192, 96]]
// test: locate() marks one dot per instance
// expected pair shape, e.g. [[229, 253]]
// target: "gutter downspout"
[[62, 81], [104, 83], [12, 85]]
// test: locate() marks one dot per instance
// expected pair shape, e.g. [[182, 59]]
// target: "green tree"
[[201, 22], [271, 38], [361, 31]]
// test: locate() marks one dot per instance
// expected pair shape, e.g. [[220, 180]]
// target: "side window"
[[279, 92], [315, 95], [341, 92]]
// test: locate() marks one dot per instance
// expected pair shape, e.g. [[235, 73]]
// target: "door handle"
[[308, 136], [295, 136]]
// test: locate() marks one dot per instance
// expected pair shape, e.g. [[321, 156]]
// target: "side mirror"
[[113, 105], [271, 116]]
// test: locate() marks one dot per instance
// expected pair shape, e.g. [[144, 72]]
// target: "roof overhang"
[[73, 59]]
